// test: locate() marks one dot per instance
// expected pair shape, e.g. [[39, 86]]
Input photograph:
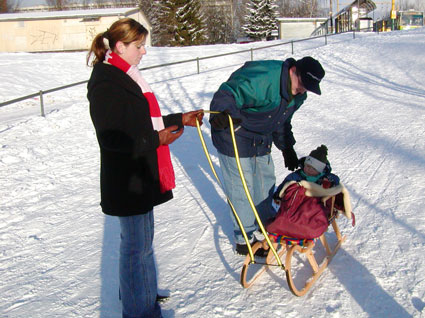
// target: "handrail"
[[40, 93], [197, 59]]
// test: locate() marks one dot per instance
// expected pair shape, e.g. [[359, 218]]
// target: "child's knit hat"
[[318, 158]]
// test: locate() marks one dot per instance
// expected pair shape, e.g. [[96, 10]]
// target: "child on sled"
[[303, 215], [313, 168]]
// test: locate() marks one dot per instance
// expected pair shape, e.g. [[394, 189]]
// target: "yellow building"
[[60, 30]]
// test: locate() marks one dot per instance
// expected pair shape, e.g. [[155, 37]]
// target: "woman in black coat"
[[136, 172]]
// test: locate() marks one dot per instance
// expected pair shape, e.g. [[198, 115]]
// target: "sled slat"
[[312, 262], [325, 244]]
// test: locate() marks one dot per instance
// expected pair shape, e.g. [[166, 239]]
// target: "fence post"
[[197, 63], [252, 54], [292, 46], [42, 104], [326, 39], [354, 34]]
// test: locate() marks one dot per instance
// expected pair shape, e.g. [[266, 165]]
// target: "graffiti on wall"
[[42, 37], [91, 33]]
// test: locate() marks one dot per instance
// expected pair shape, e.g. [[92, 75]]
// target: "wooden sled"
[[292, 253], [271, 260]]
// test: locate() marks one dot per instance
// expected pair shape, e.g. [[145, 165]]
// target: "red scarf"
[[165, 167]]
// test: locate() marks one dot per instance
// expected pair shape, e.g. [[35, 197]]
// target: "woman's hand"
[[189, 118], [169, 134]]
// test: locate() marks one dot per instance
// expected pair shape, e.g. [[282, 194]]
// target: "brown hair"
[[126, 30]]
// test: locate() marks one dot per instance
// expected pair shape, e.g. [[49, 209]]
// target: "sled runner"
[[279, 245]]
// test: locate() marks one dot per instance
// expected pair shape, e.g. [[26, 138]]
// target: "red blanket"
[[299, 215]]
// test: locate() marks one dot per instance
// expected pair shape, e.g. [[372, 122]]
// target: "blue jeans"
[[260, 179], [138, 282]]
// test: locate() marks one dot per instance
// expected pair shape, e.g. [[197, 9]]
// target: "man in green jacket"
[[261, 97]]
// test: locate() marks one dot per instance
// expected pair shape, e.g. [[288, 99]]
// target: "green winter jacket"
[[258, 93], [256, 88]]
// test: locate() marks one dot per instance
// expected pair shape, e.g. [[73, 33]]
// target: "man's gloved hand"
[[221, 120], [290, 158]]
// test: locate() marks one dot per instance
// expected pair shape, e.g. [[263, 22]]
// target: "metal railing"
[[41, 93]]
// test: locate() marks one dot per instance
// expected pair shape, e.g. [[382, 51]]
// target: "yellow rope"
[[248, 195], [260, 224], [207, 154]]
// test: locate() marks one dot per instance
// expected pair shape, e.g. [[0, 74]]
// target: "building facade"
[[298, 28], [70, 30]]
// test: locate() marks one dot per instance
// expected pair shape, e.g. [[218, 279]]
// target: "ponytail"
[[99, 47]]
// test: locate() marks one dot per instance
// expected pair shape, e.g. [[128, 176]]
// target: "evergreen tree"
[[181, 23], [3, 6], [152, 9], [57, 4], [219, 25], [240, 10], [261, 19], [300, 8]]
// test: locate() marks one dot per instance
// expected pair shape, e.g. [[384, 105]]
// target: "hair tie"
[[105, 41]]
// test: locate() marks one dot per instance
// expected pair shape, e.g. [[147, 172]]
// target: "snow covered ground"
[[59, 253]]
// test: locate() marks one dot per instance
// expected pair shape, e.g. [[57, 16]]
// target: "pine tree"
[[165, 16], [261, 19], [3, 6], [182, 23], [301, 8], [57, 4], [152, 9], [219, 25]]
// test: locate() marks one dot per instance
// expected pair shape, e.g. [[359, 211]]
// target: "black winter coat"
[[129, 179]]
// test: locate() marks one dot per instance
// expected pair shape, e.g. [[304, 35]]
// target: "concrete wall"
[[56, 34], [296, 28]]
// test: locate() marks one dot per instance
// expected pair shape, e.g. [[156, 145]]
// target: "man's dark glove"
[[290, 157], [221, 120]]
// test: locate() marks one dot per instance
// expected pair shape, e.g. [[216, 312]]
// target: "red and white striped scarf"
[[165, 167]]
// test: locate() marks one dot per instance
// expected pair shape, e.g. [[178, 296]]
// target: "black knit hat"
[[320, 153], [318, 158], [311, 72]]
